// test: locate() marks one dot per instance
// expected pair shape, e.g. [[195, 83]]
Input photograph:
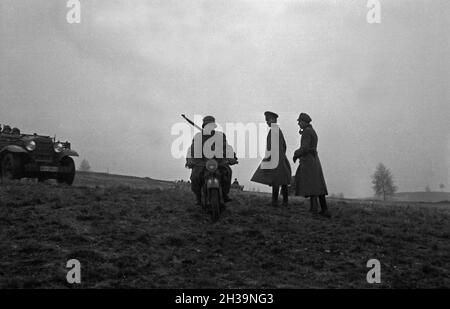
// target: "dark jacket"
[[309, 179], [216, 141], [281, 175]]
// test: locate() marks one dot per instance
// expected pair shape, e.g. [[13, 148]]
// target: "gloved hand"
[[232, 161], [189, 163]]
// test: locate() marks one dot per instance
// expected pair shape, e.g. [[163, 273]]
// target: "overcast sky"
[[116, 83]]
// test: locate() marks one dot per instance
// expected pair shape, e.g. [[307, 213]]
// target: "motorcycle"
[[212, 196]]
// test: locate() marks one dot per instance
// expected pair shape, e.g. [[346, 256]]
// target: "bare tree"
[[383, 184], [84, 166]]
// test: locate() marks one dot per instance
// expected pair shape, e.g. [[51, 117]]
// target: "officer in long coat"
[[309, 179], [278, 175]]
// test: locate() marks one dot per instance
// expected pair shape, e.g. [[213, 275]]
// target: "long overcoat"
[[282, 173], [309, 179]]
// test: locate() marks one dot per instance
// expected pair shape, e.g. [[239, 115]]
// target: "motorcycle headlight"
[[212, 165], [59, 147], [30, 145]]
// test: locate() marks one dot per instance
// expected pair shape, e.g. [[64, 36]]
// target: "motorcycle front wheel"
[[214, 200]]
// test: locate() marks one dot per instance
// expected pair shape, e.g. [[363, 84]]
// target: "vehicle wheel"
[[204, 199], [214, 200], [11, 167], [67, 178]]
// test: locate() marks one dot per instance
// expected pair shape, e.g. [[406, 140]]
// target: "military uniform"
[[197, 156], [281, 174], [309, 179]]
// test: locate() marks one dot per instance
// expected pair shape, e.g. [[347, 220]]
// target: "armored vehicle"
[[35, 156]]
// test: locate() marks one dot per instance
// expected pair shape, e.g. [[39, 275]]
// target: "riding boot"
[[324, 208], [313, 205], [285, 193], [226, 183], [225, 196], [275, 192], [198, 197]]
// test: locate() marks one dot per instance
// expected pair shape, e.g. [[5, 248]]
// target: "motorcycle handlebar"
[[221, 162]]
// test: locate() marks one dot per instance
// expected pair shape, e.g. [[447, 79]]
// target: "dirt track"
[[152, 238]]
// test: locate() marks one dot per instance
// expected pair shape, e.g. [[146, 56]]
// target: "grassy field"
[[434, 197], [152, 236], [88, 179]]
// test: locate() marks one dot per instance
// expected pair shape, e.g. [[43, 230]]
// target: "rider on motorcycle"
[[206, 145]]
